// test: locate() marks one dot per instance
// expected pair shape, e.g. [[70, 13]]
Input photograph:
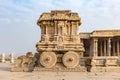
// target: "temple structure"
[[62, 48], [102, 47]]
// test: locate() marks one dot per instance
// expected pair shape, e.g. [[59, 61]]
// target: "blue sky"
[[19, 32]]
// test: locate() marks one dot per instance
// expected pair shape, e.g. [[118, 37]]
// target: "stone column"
[[43, 30], [3, 58], [58, 31], [46, 30], [72, 32], [109, 47], [12, 58], [55, 27], [101, 49], [105, 47], [95, 46], [113, 48], [69, 28], [58, 28], [118, 48], [76, 28]]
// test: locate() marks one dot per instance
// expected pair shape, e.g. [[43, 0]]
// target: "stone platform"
[[77, 69], [105, 69]]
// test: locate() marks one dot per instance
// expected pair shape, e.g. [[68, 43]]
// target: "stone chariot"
[[60, 46]]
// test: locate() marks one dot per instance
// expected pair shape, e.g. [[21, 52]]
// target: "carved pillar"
[[55, 27], [41, 30], [95, 46], [46, 30], [109, 47], [64, 29], [59, 28], [114, 48], [69, 28], [77, 27], [105, 47], [118, 48], [72, 32], [101, 48]]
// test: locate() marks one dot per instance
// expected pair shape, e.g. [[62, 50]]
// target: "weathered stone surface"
[[24, 63]]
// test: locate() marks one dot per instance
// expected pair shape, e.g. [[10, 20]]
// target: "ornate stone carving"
[[48, 59], [71, 59]]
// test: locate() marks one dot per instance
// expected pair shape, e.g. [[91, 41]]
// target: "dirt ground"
[[5, 74]]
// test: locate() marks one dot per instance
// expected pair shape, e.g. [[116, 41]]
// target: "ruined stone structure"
[[7, 58], [61, 48]]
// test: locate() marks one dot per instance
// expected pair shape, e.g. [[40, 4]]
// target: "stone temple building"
[[102, 49], [62, 48]]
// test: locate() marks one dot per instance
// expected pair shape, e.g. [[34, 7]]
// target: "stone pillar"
[[109, 47], [72, 32], [12, 58], [105, 47], [69, 28], [55, 27], [118, 48], [43, 30], [114, 48], [65, 28], [95, 46], [3, 58], [101, 49], [58, 31], [46, 30]]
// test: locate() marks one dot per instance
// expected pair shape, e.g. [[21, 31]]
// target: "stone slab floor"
[[5, 74]]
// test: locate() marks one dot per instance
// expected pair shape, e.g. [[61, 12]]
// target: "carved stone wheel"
[[70, 59], [48, 59]]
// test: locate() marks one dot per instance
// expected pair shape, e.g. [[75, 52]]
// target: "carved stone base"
[[61, 68], [77, 69], [105, 69]]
